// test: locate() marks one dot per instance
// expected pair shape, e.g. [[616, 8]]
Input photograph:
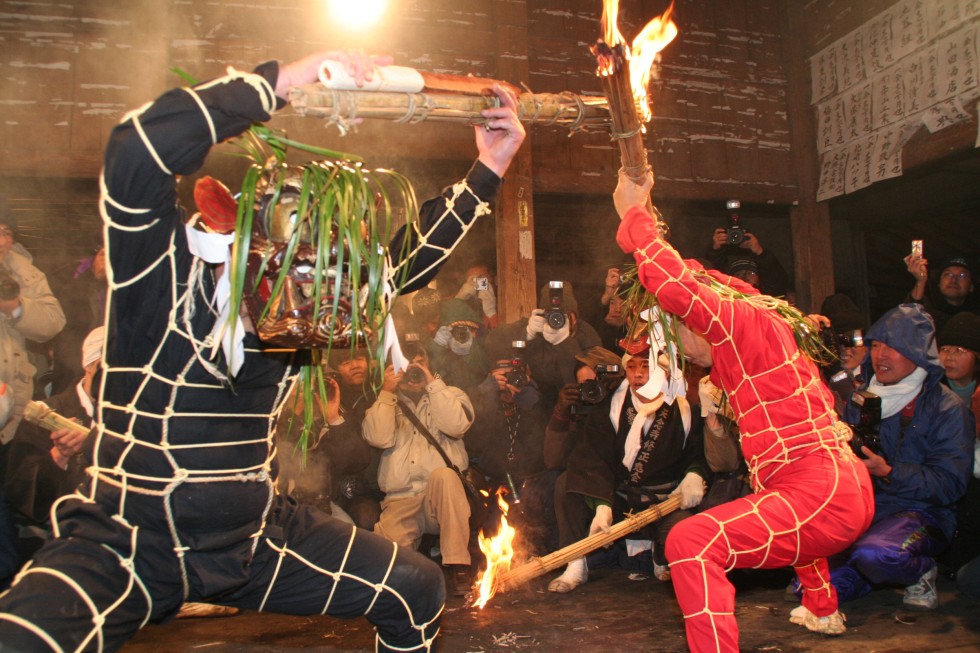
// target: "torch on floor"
[[610, 613]]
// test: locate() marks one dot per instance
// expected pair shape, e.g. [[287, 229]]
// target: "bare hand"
[[818, 321], [612, 278], [719, 239], [503, 134], [331, 410], [67, 441], [918, 267], [751, 243], [629, 194], [392, 379], [877, 466]]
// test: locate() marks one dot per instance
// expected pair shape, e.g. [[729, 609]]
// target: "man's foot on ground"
[[662, 572], [460, 580], [922, 595], [832, 624], [575, 574]]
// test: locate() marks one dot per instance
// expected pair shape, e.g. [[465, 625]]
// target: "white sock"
[[576, 573]]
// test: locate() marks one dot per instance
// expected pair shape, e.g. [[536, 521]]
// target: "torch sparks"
[[499, 552], [653, 38]]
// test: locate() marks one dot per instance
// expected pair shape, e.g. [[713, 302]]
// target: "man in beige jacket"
[[422, 494], [28, 311]]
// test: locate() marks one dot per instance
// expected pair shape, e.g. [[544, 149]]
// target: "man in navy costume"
[[182, 505]]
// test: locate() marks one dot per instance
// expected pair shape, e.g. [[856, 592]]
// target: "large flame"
[[499, 552], [653, 38]]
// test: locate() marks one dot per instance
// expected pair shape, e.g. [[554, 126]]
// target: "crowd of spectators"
[[549, 409]]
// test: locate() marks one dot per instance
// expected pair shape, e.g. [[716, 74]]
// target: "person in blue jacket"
[[923, 465]]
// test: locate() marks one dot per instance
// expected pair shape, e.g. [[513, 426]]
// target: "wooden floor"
[[610, 613]]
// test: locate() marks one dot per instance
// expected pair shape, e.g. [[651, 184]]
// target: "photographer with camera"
[[948, 294], [28, 311], [925, 461], [456, 352], [736, 243], [597, 373], [845, 339], [635, 451], [422, 494], [477, 291], [506, 443], [554, 335], [336, 452]]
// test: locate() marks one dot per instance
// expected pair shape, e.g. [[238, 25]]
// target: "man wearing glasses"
[[953, 292]]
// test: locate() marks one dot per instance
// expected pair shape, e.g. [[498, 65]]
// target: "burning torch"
[[624, 72]]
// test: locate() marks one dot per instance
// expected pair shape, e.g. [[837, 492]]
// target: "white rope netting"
[[133, 443]]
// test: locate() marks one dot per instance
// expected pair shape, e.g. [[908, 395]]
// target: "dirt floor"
[[610, 613]]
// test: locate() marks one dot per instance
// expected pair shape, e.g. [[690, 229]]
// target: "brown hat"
[[598, 356]]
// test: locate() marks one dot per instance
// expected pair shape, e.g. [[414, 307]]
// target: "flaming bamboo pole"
[[537, 566], [613, 68], [342, 107]]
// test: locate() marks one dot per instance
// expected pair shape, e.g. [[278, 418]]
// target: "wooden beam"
[[582, 181], [809, 219], [517, 291], [925, 148]]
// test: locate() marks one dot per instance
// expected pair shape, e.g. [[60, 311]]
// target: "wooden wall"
[[70, 70], [721, 127]]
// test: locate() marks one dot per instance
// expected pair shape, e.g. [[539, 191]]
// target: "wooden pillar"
[[515, 204], [809, 219]]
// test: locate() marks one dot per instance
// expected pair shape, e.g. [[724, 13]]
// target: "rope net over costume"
[[182, 503], [812, 496]]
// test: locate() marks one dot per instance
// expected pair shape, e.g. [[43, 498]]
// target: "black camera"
[[735, 232], [414, 374], [869, 422], [460, 332], [553, 314], [517, 374], [9, 288], [593, 391]]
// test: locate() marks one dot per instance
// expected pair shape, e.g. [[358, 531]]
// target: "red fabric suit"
[[812, 495]]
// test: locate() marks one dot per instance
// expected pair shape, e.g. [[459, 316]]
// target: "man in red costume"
[[812, 497]]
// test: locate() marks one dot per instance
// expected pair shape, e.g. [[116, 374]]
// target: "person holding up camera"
[[422, 494], [507, 444], [925, 462], [554, 335], [952, 292], [597, 373], [456, 351], [336, 451], [736, 246], [28, 311]]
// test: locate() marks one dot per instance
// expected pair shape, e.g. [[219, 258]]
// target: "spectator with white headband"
[[639, 446]]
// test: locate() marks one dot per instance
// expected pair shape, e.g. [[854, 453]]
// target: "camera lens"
[[591, 392], [415, 375], [555, 319], [736, 235], [517, 377]]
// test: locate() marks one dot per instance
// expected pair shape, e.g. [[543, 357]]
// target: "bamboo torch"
[[625, 87], [538, 566], [406, 95]]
